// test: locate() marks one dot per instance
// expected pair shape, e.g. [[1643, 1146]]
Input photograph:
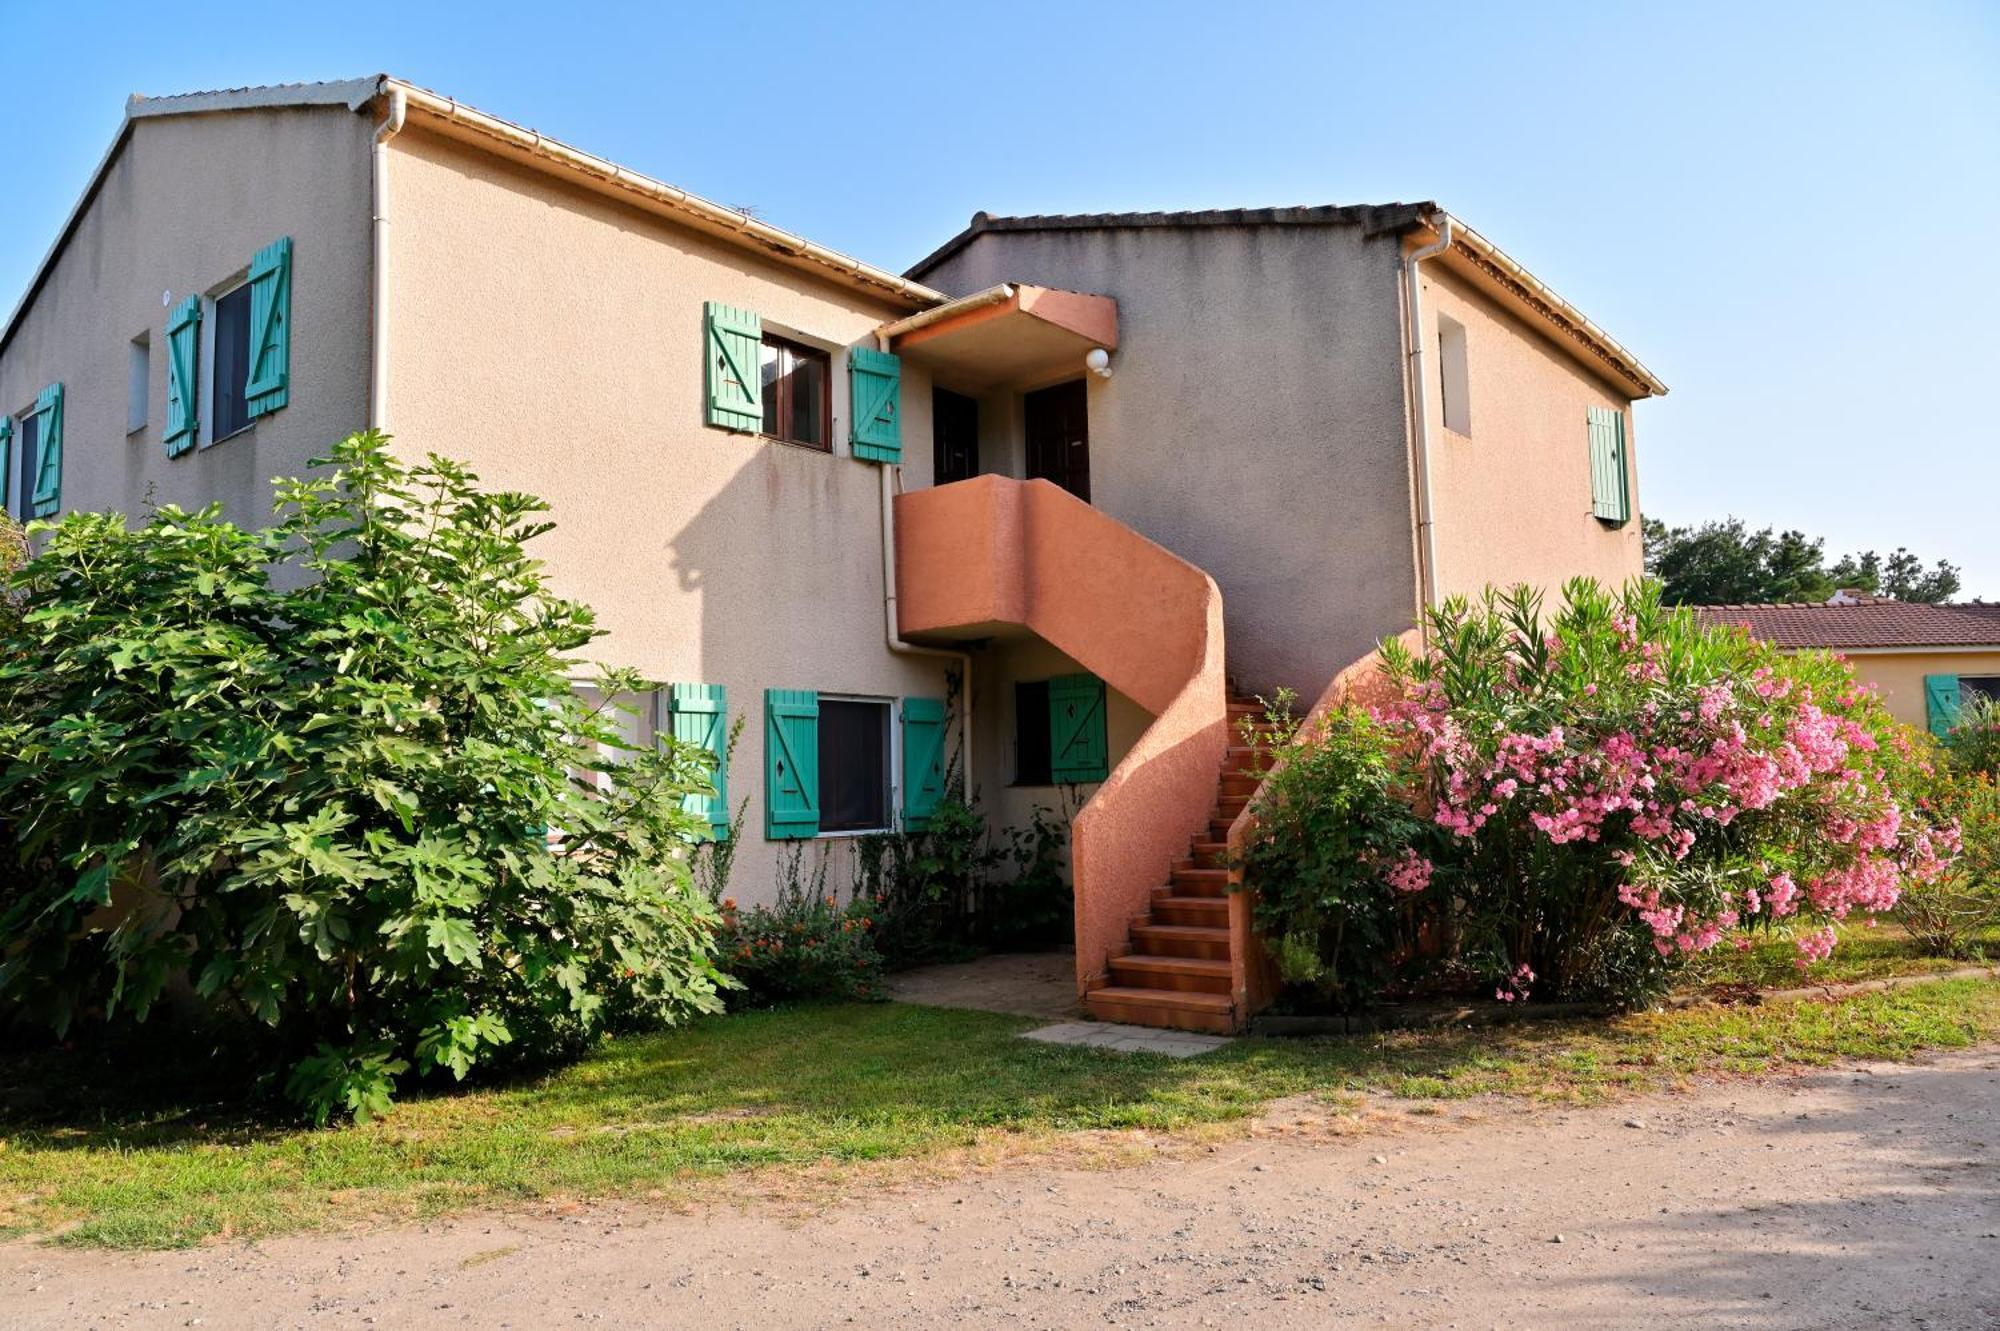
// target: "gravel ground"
[[1863, 1197]]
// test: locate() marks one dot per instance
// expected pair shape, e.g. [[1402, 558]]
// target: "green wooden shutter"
[[1941, 702], [1078, 747], [6, 461], [735, 340], [699, 715], [923, 761], [270, 328], [46, 499], [183, 378], [791, 764], [1610, 495], [875, 401]]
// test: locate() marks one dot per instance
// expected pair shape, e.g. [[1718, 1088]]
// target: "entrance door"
[[954, 437], [1058, 430]]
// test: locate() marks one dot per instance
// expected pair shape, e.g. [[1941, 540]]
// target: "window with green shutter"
[[923, 760], [1941, 702], [699, 715], [1079, 748], [875, 401], [1610, 490], [733, 340], [183, 376], [45, 499], [791, 764], [267, 385], [6, 464]]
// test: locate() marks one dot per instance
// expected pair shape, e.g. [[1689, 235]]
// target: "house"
[[1040, 508], [1923, 659]]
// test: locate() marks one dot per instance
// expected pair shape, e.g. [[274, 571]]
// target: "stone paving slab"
[[1128, 1039]]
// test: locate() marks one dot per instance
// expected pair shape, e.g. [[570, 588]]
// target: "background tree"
[[1721, 563]]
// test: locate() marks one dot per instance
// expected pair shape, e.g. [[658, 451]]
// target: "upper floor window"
[[797, 383], [229, 361], [1454, 377], [138, 379]]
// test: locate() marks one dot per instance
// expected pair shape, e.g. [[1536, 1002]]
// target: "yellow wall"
[[1511, 499], [1899, 676], [553, 340]]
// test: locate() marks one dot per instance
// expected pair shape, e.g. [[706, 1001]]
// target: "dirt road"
[[1865, 1197]]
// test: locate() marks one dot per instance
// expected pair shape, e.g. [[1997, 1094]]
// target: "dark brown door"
[[954, 437], [1058, 430]]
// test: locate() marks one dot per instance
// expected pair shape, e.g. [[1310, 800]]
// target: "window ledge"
[[251, 428]]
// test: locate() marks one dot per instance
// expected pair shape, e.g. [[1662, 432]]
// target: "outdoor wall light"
[[1098, 361]]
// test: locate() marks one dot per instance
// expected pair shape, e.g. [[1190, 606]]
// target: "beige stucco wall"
[[183, 207], [1511, 500], [553, 340], [1899, 676], [1254, 424]]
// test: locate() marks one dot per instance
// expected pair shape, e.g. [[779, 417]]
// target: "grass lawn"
[[746, 1103], [1863, 954]]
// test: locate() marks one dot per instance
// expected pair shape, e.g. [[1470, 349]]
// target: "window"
[[853, 765], [954, 437], [139, 363], [1979, 686], [21, 466], [1454, 384], [1031, 734], [797, 389], [1610, 486], [229, 359]]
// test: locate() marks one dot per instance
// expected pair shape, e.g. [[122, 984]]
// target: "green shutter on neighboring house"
[[183, 366], [46, 498], [791, 764], [1941, 702], [1610, 493], [923, 761], [875, 401], [700, 716], [734, 340], [1078, 747], [270, 328]]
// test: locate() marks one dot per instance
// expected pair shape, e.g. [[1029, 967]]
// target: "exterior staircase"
[[1182, 967]]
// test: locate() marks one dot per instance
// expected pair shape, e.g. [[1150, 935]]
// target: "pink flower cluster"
[[1658, 781], [1411, 873]]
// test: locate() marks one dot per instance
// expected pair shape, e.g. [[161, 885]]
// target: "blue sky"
[[1788, 211]]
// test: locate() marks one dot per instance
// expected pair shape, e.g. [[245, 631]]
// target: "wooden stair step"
[[1207, 854], [1241, 785], [1173, 1008], [1211, 911], [1192, 974], [1203, 881], [1181, 940], [1218, 828], [1231, 805]]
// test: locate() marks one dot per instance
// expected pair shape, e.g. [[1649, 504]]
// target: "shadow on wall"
[[775, 581]]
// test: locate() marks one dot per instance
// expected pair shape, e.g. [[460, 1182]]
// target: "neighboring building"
[[1923, 659], [1008, 509]]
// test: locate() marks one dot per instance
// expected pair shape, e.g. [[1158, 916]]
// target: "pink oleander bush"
[[1614, 787]]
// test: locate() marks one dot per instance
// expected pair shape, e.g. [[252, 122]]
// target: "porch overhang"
[[1012, 335]]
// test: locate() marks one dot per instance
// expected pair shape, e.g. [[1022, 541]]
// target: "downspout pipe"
[[892, 629], [1420, 415], [378, 352]]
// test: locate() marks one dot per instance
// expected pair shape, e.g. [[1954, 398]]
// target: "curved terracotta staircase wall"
[[994, 551], [1364, 683]]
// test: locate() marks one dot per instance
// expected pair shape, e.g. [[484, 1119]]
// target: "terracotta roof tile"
[[1868, 623]]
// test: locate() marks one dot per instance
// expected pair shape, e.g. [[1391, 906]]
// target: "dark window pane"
[[795, 393], [231, 410], [1031, 734], [769, 369], [954, 437], [1978, 686], [27, 444], [853, 766]]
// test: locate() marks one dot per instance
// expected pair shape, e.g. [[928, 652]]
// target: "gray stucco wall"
[[1254, 424], [183, 207]]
